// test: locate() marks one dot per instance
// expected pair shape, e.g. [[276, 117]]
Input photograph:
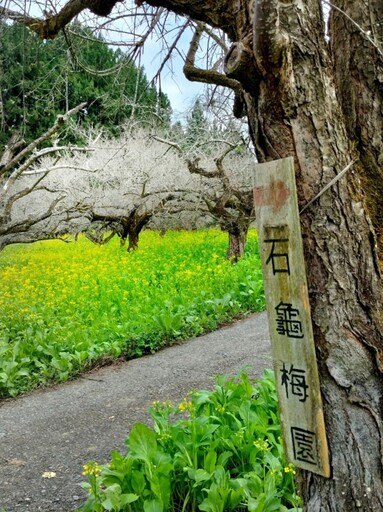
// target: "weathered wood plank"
[[289, 316]]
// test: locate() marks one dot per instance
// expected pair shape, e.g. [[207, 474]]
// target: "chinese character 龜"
[[287, 321]]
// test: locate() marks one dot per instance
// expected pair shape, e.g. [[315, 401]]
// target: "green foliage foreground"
[[66, 307], [223, 454]]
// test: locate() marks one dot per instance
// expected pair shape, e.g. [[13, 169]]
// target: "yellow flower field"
[[65, 306]]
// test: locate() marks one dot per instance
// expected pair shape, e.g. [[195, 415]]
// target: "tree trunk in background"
[[237, 245], [132, 227], [133, 240]]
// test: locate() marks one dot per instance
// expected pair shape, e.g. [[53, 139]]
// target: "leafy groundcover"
[[216, 451]]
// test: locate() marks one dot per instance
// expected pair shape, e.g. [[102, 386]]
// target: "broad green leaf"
[[213, 502], [246, 413], [113, 498], [272, 503], [138, 482], [128, 498], [199, 475], [224, 457], [235, 497], [160, 486], [142, 442], [153, 506]]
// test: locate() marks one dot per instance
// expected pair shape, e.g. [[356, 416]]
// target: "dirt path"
[[59, 429]]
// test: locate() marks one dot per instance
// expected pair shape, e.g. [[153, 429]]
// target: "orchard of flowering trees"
[[117, 186]]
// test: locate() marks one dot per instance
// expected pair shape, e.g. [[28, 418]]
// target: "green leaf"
[[272, 503], [128, 498], [142, 442], [138, 482], [210, 461], [198, 475], [235, 498], [153, 506], [246, 413], [223, 458], [113, 498], [214, 501], [160, 486]]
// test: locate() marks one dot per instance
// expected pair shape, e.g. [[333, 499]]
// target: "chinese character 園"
[[304, 445]]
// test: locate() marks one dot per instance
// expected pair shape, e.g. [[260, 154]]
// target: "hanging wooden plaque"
[[288, 310]]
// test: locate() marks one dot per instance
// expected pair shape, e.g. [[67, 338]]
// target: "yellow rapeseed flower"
[[184, 406], [91, 468], [262, 445], [290, 469]]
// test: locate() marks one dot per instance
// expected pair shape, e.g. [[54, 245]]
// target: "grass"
[[65, 307]]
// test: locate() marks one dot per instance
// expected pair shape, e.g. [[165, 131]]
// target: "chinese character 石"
[[279, 260], [287, 321], [294, 380], [304, 445]]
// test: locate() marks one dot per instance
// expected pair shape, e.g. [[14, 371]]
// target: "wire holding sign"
[[289, 317]]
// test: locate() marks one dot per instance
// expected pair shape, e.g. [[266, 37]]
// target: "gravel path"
[[59, 429]]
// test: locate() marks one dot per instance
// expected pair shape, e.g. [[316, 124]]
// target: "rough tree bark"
[[322, 104], [358, 59], [296, 112], [237, 243]]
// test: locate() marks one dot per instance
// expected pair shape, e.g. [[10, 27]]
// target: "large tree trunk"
[[296, 113], [358, 58]]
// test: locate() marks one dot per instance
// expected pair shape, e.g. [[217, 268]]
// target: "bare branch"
[[171, 49], [209, 76], [15, 197], [24, 225], [169, 143], [60, 122], [14, 143], [44, 170], [53, 24]]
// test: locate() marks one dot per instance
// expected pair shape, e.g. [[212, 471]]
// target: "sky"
[[181, 92]]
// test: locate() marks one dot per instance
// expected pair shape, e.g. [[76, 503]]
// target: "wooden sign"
[[288, 310]]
